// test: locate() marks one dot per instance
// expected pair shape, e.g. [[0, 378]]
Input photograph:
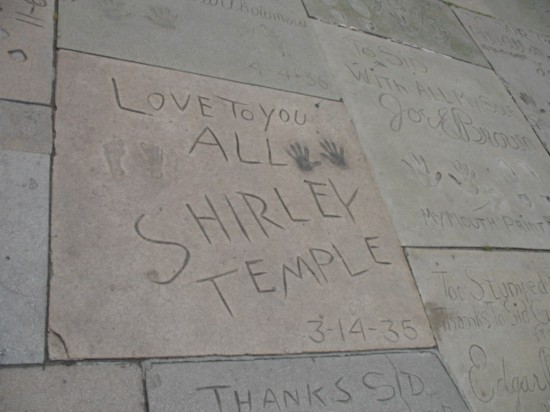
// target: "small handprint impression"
[[163, 17], [332, 153], [153, 157], [114, 150], [421, 170], [464, 177], [301, 156]]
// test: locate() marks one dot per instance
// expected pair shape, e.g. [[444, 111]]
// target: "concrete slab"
[[534, 14], [26, 50], [264, 42], [26, 128], [429, 24], [382, 382], [79, 387], [521, 57], [24, 192], [455, 160], [490, 312], [188, 222]]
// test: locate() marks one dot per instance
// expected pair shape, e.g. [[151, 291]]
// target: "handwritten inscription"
[[520, 57], [493, 303], [490, 312], [438, 134], [322, 329], [27, 13], [396, 382], [488, 382], [210, 107], [258, 11], [381, 385], [224, 203], [447, 219], [455, 123]]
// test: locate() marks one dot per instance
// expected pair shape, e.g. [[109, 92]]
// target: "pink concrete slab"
[[26, 50], [194, 216]]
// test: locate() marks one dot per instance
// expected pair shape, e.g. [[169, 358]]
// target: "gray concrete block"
[[456, 161], [79, 387], [24, 201], [414, 381], [196, 216], [490, 312]]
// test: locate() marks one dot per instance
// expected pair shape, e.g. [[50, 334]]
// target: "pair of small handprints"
[[115, 150], [331, 152], [462, 175]]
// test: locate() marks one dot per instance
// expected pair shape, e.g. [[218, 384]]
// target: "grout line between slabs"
[[52, 156]]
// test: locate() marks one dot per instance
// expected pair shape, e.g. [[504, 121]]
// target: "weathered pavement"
[[317, 205]]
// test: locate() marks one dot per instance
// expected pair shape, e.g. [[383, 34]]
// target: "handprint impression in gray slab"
[[464, 177], [301, 156], [153, 157], [113, 151], [162, 17], [332, 153], [421, 170]]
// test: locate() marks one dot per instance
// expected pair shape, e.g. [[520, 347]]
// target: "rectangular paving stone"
[[455, 160], [24, 201], [187, 222], [263, 42], [534, 14], [26, 50], [429, 24], [79, 387], [490, 312], [379, 382], [26, 128], [521, 58]]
